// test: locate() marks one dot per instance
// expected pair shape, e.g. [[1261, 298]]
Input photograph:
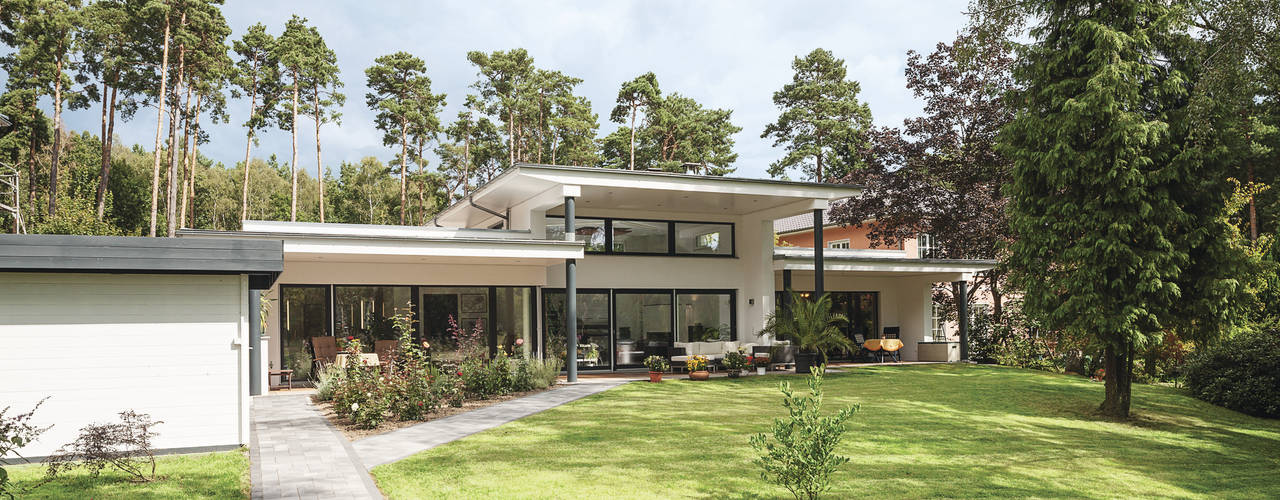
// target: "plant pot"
[[804, 361], [735, 373], [759, 370], [700, 375], [655, 377]]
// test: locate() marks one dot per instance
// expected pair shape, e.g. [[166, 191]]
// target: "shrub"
[[735, 360], [521, 377], [409, 392], [1242, 374], [449, 388], [124, 446], [543, 373], [802, 454], [328, 379], [15, 432], [478, 379]]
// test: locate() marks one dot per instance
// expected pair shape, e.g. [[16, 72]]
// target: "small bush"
[[328, 379], [543, 373], [1242, 373], [125, 446], [802, 454], [15, 432]]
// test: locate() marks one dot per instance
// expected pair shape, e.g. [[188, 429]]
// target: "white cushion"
[[730, 346], [698, 348], [682, 344], [679, 358]]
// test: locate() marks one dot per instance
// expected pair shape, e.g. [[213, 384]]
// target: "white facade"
[[174, 346]]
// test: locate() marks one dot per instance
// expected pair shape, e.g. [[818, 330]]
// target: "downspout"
[[506, 218]]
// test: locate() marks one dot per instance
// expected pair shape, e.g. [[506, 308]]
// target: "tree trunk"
[[634, 107], [293, 165], [189, 168], [319, 164], [248, 143], [511, 139], [422, 186], [404, 161], [57, 135], [155, 169], [99, 196], [186, 157], [105, 180], [171, 209], [466, 161], [31, 159], [818, 159], [195, 162], [1253, 209], [1118, 363]]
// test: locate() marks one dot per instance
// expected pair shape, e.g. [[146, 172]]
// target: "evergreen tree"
[[642, 92], [502, 77], [400, 92], [1116, 213], [820, 114], [257, 74]]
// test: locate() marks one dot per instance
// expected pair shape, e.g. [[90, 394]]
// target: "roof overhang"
[[541, 187], [262, 260], [863, 261], [401, 244]]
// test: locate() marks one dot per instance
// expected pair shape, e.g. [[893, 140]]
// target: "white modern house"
[[633, 262]]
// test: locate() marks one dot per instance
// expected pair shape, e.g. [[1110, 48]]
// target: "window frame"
[[846, 242], [671, 237]]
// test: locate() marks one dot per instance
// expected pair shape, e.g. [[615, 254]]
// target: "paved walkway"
[[296, 454], [401, 443]]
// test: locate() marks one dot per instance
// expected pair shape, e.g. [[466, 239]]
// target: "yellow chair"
[[890, 348]]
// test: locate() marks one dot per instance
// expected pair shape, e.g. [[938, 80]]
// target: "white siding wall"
[[97, 344]]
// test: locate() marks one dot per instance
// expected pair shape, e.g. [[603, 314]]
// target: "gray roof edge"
[[255, 235], [62, 253]]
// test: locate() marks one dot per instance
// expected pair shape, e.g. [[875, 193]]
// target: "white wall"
[[97, 344], [904, 300]]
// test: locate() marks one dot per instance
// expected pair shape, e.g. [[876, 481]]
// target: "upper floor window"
[[928, 247], [649, 237], [838, 244]]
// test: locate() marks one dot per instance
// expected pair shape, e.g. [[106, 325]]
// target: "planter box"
[[938, 351]]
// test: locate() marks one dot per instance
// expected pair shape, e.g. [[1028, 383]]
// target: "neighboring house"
[[654, 259], [797, 231]]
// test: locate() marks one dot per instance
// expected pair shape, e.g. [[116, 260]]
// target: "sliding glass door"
[[304, 313], [594, 346], [642, 321]]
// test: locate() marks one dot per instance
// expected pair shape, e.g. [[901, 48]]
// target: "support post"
[[962, 309], [818, 286], [570, 298], [255, 342]]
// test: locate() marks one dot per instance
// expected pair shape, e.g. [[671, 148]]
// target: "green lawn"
[[923, 431], [207, 475]]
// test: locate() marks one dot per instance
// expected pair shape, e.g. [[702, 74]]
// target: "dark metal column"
[[570, 298], [255, 342], [962, 308], [818, 244]]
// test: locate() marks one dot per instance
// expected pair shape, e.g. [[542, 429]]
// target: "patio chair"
[[323, 351], [861, 350], [892, 332]]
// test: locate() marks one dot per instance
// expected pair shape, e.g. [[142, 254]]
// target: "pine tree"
[[820, 114], [400, 92], [257, 75], [641, 92]]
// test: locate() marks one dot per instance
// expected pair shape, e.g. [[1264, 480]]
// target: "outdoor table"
[[366, 359], [284, 374]]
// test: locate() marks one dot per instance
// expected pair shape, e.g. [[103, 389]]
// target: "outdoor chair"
[[892, 332], [386, 351], [861, 350], [323, 351]]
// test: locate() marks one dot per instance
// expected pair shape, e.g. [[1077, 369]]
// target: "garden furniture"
[[385, 349], [323, 351], [366, 359], [882, 348], [284, 374]]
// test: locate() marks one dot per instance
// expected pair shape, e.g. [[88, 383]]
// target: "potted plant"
[[812, 326], [760, 363], [657, 365], [698, 368], [735, 362]]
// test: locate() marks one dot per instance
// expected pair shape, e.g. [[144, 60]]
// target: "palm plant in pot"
[[812, 326], [657, 365]]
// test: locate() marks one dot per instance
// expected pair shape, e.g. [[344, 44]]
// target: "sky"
[[730, 54]]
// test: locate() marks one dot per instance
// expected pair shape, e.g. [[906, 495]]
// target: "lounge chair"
[[323, 351]]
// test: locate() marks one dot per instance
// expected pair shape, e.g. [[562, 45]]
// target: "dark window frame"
[[279, 344], [671, 237]]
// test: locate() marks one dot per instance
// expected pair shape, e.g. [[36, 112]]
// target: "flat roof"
[[133, 254], [801, 259], [636, 190]]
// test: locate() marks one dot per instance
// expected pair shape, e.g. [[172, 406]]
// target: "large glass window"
[[648, 237], [366, 312], [630, 236], [589, 230], [704, 238], [513, 320], [703, 317], [593, 327], [304, 313], [643, 322], [467, 307]]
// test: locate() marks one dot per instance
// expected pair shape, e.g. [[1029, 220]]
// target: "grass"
[[923, 432], [207, 475]]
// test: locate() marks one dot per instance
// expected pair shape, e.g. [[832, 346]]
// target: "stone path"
[[401, 443], [297, 454]]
